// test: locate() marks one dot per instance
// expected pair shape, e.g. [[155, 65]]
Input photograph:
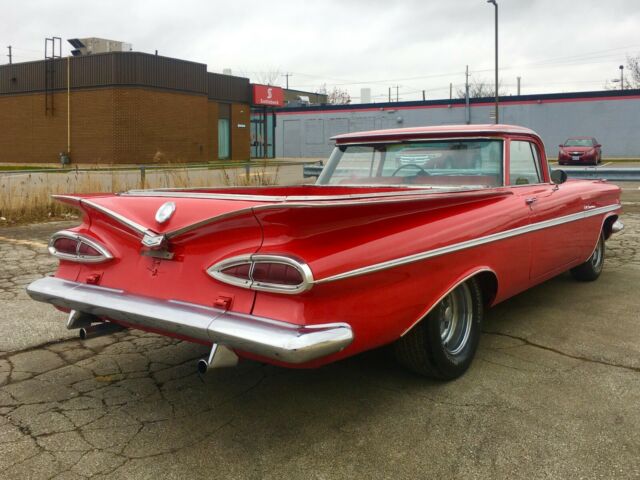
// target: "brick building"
[[125, 108]]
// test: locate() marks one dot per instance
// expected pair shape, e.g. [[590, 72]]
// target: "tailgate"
[[183, 277]]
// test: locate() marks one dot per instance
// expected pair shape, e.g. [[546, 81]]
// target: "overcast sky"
[[554, 45]]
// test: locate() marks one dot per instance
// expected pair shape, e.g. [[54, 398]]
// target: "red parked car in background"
[[580, 150]]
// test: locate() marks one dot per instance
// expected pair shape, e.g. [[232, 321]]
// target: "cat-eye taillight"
[[268, 273], [74, 247]]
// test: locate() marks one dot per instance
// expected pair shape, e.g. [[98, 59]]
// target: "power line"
[[558, 61]]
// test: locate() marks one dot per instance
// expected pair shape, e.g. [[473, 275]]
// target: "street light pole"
[[622, 77], [495, 4]]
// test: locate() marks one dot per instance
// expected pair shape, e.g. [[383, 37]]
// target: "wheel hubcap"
[[456, 318], [596, 258]]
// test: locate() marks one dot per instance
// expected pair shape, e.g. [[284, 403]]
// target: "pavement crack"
[[40, 346], [564, 354], [431, 399], [511, 367]]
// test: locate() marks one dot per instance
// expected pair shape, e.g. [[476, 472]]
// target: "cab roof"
[[434, 131]]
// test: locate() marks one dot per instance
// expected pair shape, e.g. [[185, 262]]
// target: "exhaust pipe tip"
[[104, 328], [203, 366], [83, 333], [220, 357]]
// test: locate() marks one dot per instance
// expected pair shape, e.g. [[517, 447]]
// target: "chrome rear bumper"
[[273, 339], [617, 226]]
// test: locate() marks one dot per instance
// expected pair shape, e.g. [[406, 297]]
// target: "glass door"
[[262, 132], [224, 131], [224, 136]]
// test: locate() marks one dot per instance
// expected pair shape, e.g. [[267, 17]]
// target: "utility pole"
[[466, 96], [287, 75], [397, 93], [519, 78], [10, 56], [621, 76], [450, 91], [424, 97], [389, 94], [495, 4]]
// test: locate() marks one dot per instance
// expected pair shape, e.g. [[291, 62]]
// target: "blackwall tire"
[[442, 345], [592, 268]]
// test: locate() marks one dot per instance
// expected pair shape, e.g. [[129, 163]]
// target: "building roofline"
[[473, 101]]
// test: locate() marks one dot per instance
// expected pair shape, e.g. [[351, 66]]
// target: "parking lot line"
[[605, 164]]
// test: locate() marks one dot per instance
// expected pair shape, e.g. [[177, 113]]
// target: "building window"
[[224, 131]]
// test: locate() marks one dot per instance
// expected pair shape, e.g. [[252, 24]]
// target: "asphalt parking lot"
[[554, 393]]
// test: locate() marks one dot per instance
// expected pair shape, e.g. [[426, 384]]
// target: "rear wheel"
[[592, 268], [444, 343]]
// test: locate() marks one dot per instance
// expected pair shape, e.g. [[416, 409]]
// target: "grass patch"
[[11, 168]]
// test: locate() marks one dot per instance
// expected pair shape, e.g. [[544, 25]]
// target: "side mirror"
[[561, 145], [598, 145], [558, 176]]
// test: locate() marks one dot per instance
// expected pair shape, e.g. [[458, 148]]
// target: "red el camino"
[[382, 250]]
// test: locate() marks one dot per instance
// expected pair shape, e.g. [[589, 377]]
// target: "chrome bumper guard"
[[269, 338], [617, 226]]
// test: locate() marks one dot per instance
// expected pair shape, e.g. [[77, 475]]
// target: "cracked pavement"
[[554, 392]]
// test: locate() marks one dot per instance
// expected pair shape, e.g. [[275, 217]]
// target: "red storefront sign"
[[268, 95]]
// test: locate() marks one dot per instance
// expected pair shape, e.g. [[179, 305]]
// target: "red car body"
[[580, 151], [355, 266]]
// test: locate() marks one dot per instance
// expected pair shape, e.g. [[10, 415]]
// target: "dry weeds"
[[27, 197]]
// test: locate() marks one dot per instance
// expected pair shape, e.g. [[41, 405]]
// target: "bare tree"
[[336, 96], [633, 66], [479, 88], [269, 76]]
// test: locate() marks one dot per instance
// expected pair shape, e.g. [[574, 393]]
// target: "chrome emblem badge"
[[165, 212]]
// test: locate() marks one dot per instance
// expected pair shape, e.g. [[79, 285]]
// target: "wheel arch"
[[607, 226], [487, 280]]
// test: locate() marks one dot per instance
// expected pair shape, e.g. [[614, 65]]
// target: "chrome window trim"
[[105, 255], [537, 160], [216, 271], [494, 237], [283, 200], [365, 142], [499, 138]]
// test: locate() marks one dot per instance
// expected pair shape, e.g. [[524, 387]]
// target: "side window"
[[524, 166]]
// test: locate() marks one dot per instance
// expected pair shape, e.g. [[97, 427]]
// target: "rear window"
[[443, 163], [578, 142]]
